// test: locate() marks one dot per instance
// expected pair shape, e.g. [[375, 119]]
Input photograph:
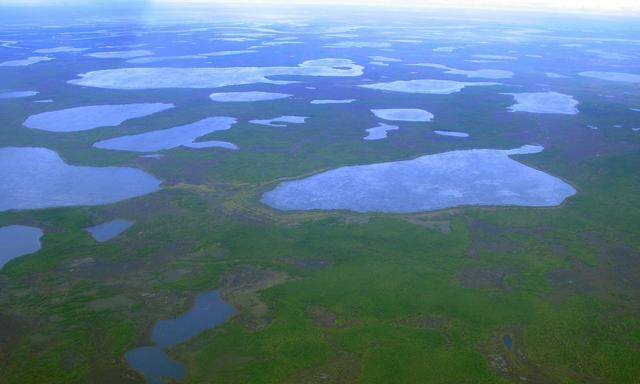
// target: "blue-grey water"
[[379, 132], [184, 135], [208, 311], [152, 362], [280, 121], [109, 230], [431, 182], [92, 116], [39, 178], [18, 240], [17, 94], [506, 339]]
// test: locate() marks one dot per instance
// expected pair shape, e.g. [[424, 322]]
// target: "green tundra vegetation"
[[346, 297], [463, 295]]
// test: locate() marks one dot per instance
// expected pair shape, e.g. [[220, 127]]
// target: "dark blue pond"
[[152, 362], [506, 339], [208, 311]]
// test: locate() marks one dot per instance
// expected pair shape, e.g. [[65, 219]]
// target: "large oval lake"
[[39, 178]]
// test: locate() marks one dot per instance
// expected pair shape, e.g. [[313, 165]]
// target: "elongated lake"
[[109, 230], [90, 117], [427, 183], [152, 362], [184, 135]]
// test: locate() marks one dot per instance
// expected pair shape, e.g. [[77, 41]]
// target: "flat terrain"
[[470, 294]]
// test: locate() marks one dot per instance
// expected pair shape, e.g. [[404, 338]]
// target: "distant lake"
[[90, 117], [184, 135]]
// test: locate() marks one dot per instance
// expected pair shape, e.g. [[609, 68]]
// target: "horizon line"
[[593, 7]]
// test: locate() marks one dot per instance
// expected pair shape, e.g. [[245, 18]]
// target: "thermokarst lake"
[[208, 311], [348, 193], [427, 183], [280, 121], [24, 62], [612, 76], [403, 114], [184, 135], [39, 178], [90, 117], [155, 78], [428, 86], [476, 73], [451, 133], [379, 132], [107, 231], [230, 97], [18, 240], [329, 101], [544, 102], [17, 94]]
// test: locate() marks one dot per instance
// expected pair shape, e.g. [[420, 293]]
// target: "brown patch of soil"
[[488, 237], [343, 369], [614, 276], [240, 288], [12, 328], [324, 318], [484, 277], [428, 321], [307, 264], [513, 363]]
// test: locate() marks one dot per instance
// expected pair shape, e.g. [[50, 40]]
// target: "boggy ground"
[[338, 297]]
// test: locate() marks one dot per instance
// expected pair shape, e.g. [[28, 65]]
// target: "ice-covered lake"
[[230, 97], [427, 183], [184, 135], [403, 114], [544, 102], [93, 116], [35, 177], [428, 86], [212, 77]]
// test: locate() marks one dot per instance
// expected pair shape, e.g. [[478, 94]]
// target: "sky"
[[592, 6]]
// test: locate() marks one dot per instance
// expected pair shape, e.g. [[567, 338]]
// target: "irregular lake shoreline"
[[152, 362], [426, 183]]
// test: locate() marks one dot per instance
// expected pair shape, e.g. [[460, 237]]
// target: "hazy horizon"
[[324, 192], [619, 7]]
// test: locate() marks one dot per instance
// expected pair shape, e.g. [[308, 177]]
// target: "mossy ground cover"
[[561, 281], [379, 270]]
